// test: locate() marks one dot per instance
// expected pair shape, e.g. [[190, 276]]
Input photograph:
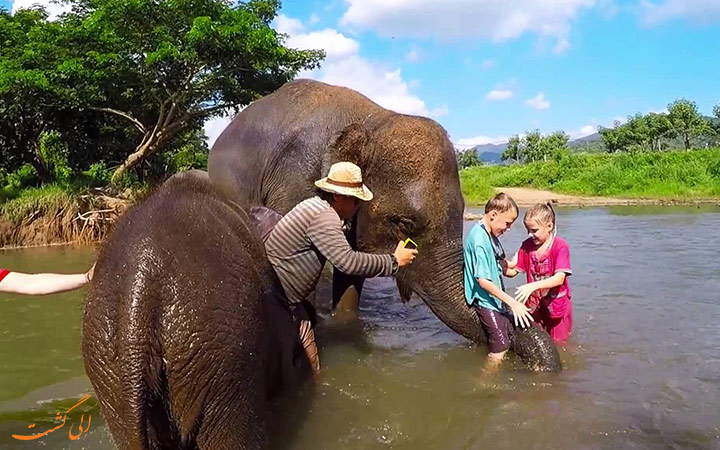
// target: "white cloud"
[[214, 127], [440, 112], [587, 130], [538, 102], [413, 55], [345, 67], [700, 11], [287, 25], [314, 18], [499, 94], [497, 20], [336, 45], [466, 143], [54, 9]]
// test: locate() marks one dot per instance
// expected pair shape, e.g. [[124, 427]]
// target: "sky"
[[489, 69]]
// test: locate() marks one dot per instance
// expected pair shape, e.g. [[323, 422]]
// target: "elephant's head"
[[409, 164]]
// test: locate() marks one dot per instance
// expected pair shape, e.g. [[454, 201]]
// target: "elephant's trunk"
[[442, 290], [440, 284]]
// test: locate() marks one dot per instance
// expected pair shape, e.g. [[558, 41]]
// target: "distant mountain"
[[490, 157], [490, 153]]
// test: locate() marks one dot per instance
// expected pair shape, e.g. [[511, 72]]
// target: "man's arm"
[[43, 283], [326, 234]]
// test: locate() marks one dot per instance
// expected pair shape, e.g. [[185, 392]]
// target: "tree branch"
[[136, 122]]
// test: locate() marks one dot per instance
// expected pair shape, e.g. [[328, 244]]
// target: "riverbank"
[[527, 197], [55, 215], [603, 179]]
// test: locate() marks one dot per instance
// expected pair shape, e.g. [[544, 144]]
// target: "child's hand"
[[510, 264], [521, 313], [522, 293]]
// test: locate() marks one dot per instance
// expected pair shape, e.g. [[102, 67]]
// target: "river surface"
[[642, 370]]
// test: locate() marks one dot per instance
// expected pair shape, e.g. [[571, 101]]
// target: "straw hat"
[[345, 178]]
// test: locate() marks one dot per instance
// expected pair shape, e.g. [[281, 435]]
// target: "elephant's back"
[[177, 296], [284, 133]]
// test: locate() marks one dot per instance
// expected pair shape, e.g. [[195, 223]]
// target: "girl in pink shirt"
[[545, 260]]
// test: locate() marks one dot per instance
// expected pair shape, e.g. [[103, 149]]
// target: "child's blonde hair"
[[501, 203], [542, 213]]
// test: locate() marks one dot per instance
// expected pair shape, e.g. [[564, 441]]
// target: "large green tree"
[[164, 65], [686, 121], [32, 101], [659, 127], [143, 72], [534, 146]]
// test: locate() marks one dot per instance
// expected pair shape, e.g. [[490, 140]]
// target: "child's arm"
[[520, 311], [523, 292], [43, 283], [510, 271], [508, 266]]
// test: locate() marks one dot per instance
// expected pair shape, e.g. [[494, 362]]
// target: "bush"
[[53, 154], [15, 182]]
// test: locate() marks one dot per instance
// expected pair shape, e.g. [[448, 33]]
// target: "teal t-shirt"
[[480, 262]]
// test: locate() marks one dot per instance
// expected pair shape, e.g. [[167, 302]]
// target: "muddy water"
[[642, 369]]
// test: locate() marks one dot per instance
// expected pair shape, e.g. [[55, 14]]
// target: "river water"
[[642, 370]]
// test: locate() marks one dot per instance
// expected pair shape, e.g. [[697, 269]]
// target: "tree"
[[468, 158], [553, 143], [532, 150], [28, 88], [638, 131], [534, 146], [659, 127], [513, 151], [686, 121], [165, 65]]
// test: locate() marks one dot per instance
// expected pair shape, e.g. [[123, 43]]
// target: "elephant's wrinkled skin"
[[183, 339], [275, 149]]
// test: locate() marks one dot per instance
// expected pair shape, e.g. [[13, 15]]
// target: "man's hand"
[[89, 274], [521, 314], [404, 256], [522, 293]]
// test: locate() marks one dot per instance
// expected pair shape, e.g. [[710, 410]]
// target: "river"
[[642, 370]]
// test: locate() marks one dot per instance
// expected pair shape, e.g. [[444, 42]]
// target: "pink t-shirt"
[[556, 259]]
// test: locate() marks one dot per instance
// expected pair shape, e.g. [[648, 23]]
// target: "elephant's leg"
[[346, 290], [231, 421]]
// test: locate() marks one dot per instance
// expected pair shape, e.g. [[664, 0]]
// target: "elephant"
[[184, 337], [273, 151]]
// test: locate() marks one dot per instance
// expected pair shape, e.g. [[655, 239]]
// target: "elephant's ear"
[[348, 145]]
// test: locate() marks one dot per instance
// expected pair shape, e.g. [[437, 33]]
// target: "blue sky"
[[487, 69]]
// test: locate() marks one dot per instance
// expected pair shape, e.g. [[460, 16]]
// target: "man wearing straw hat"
[[312, 233]]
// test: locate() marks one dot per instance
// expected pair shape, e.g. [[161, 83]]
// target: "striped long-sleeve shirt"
[[305, 238]]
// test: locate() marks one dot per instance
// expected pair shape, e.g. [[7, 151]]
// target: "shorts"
[[497, 327]]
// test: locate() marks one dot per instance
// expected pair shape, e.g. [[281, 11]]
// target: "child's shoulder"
[[560, 243]]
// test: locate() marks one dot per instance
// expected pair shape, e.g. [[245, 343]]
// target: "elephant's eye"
[[406, 226]]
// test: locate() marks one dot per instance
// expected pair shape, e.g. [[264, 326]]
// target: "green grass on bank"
[[45, 198], [668, 175]]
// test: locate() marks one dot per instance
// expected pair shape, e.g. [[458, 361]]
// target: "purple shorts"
[[497, 327]]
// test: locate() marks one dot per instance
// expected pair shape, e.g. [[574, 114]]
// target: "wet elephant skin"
[[184, 338]]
